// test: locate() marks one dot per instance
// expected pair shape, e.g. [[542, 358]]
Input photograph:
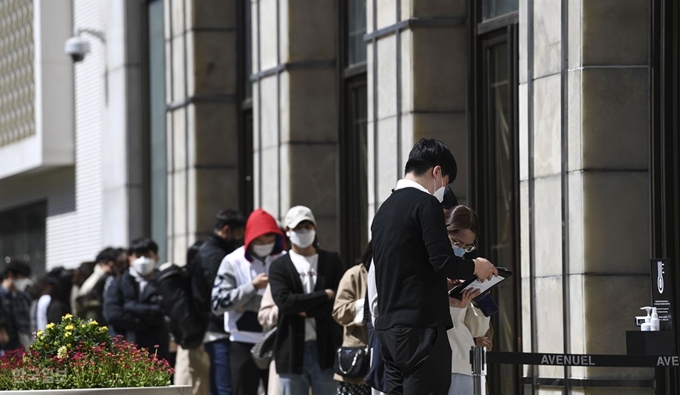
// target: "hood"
[[261, 223]]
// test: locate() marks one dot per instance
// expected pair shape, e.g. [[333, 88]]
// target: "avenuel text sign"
[[567, 360]]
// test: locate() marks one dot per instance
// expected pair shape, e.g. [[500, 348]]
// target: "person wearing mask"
[[90, 299], [469, 322], [412, 252], [348, 311], [304, 283], [132, 305], [15, 307], [238, 289]]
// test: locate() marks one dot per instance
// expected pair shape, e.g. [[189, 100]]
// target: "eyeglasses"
[[465, 247]]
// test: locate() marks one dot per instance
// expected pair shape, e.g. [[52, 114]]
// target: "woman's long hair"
[[367, 256]]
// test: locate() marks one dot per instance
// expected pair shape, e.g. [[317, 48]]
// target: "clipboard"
[[503, 273]]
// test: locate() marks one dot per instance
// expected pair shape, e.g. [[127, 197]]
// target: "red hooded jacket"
[[259, 224]]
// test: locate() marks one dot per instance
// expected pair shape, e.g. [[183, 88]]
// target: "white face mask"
[[21, 284], [143, 266], [302, 238], [439, 193], [262, 250]]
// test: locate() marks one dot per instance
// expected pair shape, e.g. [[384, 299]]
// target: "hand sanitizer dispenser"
[[647, 326]]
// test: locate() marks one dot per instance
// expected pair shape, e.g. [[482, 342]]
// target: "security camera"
[[76, 48]]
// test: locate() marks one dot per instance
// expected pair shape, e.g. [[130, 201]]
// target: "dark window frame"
[[352, 229], [665, 148], [245, 113], [502, 29]]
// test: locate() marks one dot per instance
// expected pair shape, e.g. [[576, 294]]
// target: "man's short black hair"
[[17, 267], [108, 254], [428, 153], [233, 218], [143, 245]]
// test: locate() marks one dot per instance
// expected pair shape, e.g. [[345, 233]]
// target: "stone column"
[[584, 177], [123, 159], [202, 113], [295, 110], [417, 87]]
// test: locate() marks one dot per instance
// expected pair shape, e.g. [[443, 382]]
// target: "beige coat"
[[348, 311], [268, 317]]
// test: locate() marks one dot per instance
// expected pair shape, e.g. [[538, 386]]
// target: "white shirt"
[[41, 316], [306, 267], [404, 183]]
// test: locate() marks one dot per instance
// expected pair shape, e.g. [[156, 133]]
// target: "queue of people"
[[384, 325]]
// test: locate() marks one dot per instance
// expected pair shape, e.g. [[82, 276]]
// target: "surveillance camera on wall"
[[76, 48]]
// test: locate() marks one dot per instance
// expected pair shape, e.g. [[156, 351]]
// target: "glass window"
[[356, 31], [494, 8], [22, 235], [157, 154], [496, 186]]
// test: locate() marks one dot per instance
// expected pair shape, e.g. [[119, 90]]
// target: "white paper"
[[483, 287]]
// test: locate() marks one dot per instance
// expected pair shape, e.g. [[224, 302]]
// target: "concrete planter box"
[[169, 390]]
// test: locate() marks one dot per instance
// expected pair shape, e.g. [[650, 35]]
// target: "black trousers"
[[245, 375], [417, 360]]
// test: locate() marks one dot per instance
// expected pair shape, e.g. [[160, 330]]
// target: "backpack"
[[187, 325]]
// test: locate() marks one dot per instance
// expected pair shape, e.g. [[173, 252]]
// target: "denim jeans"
[[321, 381], [220, 368], [461, 384]]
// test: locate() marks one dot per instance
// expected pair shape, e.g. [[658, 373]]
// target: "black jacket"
[[203, 272], [138, 317], [291, 300], [7, 321], [413, 258]]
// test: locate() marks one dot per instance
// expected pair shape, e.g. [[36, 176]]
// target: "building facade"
[[562, 115]]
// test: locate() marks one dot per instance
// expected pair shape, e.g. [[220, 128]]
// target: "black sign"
[[591, 360], [662, 292]]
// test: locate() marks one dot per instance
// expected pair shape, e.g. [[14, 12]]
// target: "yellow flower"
[[62, 352], [82, 326], [67, 317], [50, 326], [69, 327], [93, 322], [104, 329], [67, 334], [39, 333]]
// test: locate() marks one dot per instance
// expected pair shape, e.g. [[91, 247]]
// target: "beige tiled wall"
[[608, 184], [202, 154], [296, 112], [432, 66]]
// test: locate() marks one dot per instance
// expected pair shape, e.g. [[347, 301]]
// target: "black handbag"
[[263, 351], [352, 362]]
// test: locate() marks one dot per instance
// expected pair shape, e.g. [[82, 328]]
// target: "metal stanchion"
[[478, 361]]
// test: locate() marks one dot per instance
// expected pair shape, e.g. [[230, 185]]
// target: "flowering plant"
[[80, 354]]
